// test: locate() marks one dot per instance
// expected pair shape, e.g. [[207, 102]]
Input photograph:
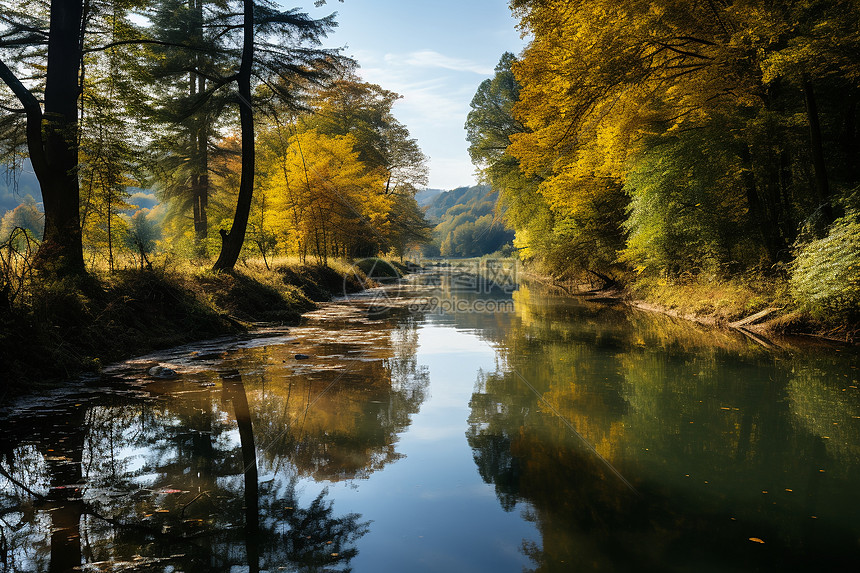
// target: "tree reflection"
[[63, 451], [340, 418], [102, 512], [173, 480], [723, 440], [234, 389], [42, 488]]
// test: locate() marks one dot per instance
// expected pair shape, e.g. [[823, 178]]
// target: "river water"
[[448, 423]]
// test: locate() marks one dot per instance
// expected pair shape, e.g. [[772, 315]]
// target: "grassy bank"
[[727, 301], [719, 302], [56, 330]]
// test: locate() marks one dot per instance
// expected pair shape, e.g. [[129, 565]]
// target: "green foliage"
[[467, 223], [491, 121], [26, 216], [825, 275], [676, 222]]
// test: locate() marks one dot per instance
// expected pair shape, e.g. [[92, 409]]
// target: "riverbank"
[[56, 331], [760, 307]]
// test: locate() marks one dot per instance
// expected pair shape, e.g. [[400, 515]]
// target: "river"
[[452, 422]]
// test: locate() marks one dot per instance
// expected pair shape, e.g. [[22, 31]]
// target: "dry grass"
[[723, 301], [62, 328]]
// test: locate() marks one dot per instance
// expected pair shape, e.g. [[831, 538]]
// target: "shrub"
[[825, 276]]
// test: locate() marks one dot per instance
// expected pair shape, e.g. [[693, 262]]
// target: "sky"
[[435, 54]]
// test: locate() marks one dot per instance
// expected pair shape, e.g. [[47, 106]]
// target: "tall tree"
[[285, 69], [328, 201], [364, 111], [231, 242], [490, 129], [52, 131], [187, 64]]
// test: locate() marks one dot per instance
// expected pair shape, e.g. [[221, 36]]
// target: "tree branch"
[[34, 118], [155, 42]]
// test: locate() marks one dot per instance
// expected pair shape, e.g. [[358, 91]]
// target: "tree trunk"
[[817, 148], [52, 139], [199, 149], [231, 242], [849, 141], [773, 241], [785, 181], [64, 453], [62, 250], [201, 224]]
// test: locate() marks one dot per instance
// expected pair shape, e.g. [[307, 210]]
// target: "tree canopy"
[[103, 98], [673, 138]]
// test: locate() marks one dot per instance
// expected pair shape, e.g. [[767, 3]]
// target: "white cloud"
[[435, 102], [433, 59]]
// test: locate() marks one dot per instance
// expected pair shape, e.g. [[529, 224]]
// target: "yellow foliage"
[[321, 199]]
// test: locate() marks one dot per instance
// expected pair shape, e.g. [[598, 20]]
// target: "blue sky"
[[435, 54]]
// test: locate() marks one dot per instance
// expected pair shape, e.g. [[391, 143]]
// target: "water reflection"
[[204, 472], [603, 438], [725, 441]]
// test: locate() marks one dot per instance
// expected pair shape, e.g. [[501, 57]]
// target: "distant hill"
[[467, 224], [437, 207], [425, 196], [16, 185]]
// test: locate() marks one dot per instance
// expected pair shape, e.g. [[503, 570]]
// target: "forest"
[[688, 152], [671, 143], [193, 100], [468, 224], [150, 147]]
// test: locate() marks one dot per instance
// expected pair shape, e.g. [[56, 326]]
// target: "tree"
[[363, 111], [349, 106], [26, 216], [609, 88], [107, 156], [490, 127], [187, 66], [328, 201], [52, 131], [282, 71], [143, 232], [231, 242], [407, 226]]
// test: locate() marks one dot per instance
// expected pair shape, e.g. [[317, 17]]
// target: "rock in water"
[[163, 372]]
